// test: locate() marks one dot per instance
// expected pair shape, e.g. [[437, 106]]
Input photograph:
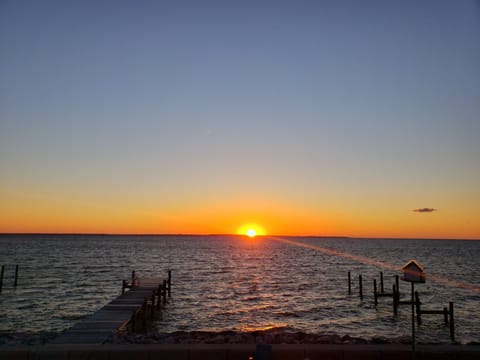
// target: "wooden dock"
[[144, 298]]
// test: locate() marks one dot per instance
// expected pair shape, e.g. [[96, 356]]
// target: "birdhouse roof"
[[412, 264]]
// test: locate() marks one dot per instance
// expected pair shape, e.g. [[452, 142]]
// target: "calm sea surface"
[[234, 283]]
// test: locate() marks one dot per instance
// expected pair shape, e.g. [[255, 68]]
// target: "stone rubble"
[[231, 337]]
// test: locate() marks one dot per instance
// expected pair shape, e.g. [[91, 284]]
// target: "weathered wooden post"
[[397, 283], [452, 321], [395, 299], [159, 296], [375, 291], [417, 307], [15, 283], [360, 286], [133, 278], [124, 285], [381, 282], [169, 283], [164, 291], [349, 284], [1, 277], [445, 315], [413, 272]]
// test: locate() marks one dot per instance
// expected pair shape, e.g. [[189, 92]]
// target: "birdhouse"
[[413, 272]]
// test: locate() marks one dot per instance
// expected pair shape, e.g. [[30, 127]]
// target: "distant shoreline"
[[4, 234]]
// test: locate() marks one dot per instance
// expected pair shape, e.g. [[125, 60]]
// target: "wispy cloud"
[[424, 210]]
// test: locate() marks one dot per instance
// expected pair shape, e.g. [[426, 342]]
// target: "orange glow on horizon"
[[29, 212]]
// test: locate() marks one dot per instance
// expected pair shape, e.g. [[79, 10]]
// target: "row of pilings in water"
[[379, 292], [2, 273], [151, 308]]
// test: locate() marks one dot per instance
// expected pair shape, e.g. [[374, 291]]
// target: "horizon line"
[[226, 234]]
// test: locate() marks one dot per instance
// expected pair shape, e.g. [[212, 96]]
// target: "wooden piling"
[[169, 281], [381, 282], [417, 308], [15, 283], [1, 277], [375, 291], [360, 286], [349, 284], [124, 285], [448, 315], [164, 291], [133, 278], [395, 300], [159, 296], [397, 284], [452, 321]]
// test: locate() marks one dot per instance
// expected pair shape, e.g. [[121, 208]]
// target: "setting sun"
[[251, 230], [251, 233]]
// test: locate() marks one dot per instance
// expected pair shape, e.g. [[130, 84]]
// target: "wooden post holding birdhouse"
[[413, 272]]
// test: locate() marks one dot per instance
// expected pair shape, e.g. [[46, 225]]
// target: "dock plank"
[[96, 328]]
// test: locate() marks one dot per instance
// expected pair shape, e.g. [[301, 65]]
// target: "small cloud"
[[424, 210]]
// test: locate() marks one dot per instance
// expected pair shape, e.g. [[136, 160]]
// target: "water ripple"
[[227, 283]]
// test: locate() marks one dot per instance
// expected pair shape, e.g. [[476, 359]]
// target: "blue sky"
[[176, 105]]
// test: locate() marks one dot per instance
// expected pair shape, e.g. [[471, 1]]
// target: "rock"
[[299, 335], [379, 341], [323, 339], [335, 339], [346, 339], [403, 340], [359, 341], [219, 339]]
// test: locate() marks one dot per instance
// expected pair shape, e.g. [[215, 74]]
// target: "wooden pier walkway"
[[96, 328]]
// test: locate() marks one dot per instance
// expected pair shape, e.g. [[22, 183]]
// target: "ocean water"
[[236, 283]]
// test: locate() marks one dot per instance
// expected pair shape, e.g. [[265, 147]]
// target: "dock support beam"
[[395, 299], [349, 284], [15, 283], [381, 282], [360, 286], [417, 307], [452, 321], [169, 282], [448, 315], [164, 291], [1, 277]]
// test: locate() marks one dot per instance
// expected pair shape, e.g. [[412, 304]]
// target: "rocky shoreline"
[[207, 337], [252, 337]]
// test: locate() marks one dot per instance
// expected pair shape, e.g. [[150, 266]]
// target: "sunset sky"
[[303, 117]]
